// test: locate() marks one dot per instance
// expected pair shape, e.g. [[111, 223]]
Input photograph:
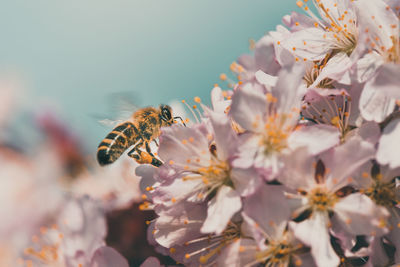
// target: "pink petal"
[[265, 79], [359, 215], [394, 235], [297, 21], [262, 208], [218, 101], [314, 233], [316, 46], [343, 162], [316, 138], [221, 209], [248, 107], [290, 79], [264, 55], [180, 226], [389, 145], [151, 262], [388, 79], [298, 171], [366, 67], [246, 181], [378, 19], [374, 104], [181, 143], [106, 257], [224, 136], [336, 67]]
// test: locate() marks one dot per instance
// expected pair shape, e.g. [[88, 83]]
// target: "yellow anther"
[[197, 99], [223, 77], [300, 4], [335, 120], [298, 262], [172, 250]]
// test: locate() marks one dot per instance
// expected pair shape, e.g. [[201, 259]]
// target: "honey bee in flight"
[[143, 127]]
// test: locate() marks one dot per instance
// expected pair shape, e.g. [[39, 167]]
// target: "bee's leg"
[[148, 148], [155, 141], [137, 150], [154, 161], [143, 157]]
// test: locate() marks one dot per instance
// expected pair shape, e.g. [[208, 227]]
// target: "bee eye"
[[166, 114]]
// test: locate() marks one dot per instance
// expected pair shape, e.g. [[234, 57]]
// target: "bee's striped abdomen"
[[116, 142]]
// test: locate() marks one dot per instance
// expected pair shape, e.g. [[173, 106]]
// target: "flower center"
[[332, 110], [207, 248], [46, 248], [216, 174], [341, 29], [213, 176], [276, 133], [280, 252], [320, 199], [312, 74], [382, 193]]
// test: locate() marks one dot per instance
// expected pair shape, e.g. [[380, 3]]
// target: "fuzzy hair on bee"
[[139, 131]]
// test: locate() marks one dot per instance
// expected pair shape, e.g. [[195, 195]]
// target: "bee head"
[[166, 114]]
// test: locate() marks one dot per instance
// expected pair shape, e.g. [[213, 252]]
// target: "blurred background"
[[70, 56]]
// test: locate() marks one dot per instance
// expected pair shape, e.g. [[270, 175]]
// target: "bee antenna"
[[177, 117]]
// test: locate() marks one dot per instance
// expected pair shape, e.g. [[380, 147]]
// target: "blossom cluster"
[[295, 163], [298, 163]]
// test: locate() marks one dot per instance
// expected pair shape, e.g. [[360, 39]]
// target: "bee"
[[143, 128]]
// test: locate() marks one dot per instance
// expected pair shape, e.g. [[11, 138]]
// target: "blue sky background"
[[74, 53]]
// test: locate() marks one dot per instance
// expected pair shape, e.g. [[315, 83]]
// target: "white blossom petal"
[[107, 256], [248, 107], [298, 171], [316, 138], [308, 43], [389, 145], [245, 181], [224, 136], [360, 216], [262, 208], [375, 105], [221, 209], [314, 233]]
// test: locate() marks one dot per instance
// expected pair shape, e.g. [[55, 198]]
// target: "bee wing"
[[110, 123], [121, 107], [122, 104]]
